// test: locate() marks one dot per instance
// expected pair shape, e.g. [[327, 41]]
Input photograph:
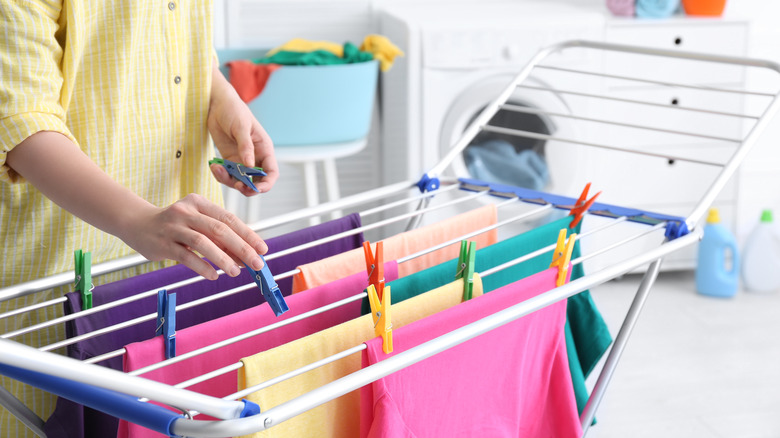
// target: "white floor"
[[695, 366]]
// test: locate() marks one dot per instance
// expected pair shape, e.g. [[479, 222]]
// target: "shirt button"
[[177, 80], [178, 154], [171, 5]]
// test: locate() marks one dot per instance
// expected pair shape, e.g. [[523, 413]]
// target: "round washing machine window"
[[545, 165]]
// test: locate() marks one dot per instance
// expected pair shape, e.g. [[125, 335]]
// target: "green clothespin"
[[466, 262], [84, 277]]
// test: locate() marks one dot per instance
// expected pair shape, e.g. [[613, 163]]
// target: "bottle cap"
[[766, 216], [713, 217]]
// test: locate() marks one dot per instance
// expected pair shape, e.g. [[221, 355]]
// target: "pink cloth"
[[141, 354], [622, 8], [513, 381]]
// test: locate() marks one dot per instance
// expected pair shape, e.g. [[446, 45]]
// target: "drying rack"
[[21, 361]]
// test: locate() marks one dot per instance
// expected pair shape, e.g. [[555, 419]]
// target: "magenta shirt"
[[513, 381]]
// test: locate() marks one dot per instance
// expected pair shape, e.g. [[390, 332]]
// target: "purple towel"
[[622, 8], [73, 420]]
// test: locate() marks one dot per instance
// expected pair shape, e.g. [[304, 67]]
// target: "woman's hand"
[[181, 231], [193, 226], [239, 137]]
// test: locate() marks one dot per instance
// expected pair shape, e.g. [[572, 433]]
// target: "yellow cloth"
[[351, 262], [102, 74], [304, 45], [384, 51], [380, 46], [339, 417]]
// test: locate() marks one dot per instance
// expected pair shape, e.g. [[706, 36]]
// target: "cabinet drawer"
[[670, 109], [722, 38]]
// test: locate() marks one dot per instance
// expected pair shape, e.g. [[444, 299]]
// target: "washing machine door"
[[547, 165]]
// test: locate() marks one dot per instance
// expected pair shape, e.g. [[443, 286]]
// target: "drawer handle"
[[675, 101], [671, 162], [677, 41]]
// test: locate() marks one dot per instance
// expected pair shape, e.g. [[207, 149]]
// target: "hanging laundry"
[[142, 354], [69, 418], [587, 334], [339, 417], [404, 244], [512, 381]]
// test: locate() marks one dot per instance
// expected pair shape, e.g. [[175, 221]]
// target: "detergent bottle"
[[761, 257], [717, 268]]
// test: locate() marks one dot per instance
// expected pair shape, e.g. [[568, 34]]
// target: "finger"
[[200, 242], [222, 175], [197, 264], [231, 232]]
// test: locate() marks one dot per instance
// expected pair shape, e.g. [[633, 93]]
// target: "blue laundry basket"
[[314, 104]]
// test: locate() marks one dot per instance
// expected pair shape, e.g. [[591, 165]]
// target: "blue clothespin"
[[239, 171], [166, 321], [269, 288], [466, 265], [83, 262]]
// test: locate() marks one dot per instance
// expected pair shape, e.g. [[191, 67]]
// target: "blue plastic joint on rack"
[[428, 183], [675, 229], [269, 288], [166, 321], [250, 408]]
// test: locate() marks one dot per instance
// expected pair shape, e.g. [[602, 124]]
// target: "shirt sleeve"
[[31, 86]]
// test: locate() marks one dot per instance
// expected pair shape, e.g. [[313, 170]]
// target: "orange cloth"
[[404, 244], [249, 79]]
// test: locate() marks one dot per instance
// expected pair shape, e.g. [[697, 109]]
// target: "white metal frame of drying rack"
[[229, 411]]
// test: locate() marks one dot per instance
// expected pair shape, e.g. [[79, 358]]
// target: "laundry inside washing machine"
[[511, 159]]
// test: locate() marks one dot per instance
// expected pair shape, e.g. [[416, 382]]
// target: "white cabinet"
[[658, 184]]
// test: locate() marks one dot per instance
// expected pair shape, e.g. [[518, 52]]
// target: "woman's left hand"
[[239, 137]]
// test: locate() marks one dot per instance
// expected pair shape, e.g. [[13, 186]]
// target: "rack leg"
[[415, 221], [619, 345], [312, 191], [332, 184], [22, 412]]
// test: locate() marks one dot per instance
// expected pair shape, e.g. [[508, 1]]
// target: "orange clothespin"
[[582, 206], [380, 312], [375, 266], [562, 256]]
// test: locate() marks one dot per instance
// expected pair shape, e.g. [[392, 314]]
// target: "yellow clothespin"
[[380, 311], [562, 256]]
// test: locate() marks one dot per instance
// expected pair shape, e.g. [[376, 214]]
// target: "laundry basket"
[[314, 104]]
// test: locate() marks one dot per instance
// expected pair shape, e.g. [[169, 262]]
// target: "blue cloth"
[[499, 161], [656, 8]]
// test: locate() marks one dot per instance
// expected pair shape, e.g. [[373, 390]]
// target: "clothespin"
[[239, 171], [166, 321], [375, 266], [83, 262], [562, 256], [582, 206], [380, 312], [268, 287], [466, 262]]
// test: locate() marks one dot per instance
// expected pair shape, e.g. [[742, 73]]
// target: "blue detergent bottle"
[[717, 268]]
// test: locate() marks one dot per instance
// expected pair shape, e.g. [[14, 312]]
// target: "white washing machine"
[[459, 57]]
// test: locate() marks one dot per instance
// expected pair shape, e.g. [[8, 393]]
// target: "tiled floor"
[[695, 366]]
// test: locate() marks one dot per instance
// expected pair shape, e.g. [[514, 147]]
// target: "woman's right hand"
[[193, 226]]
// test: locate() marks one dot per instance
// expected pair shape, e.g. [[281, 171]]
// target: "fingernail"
[[257, 264], [234, 271]]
